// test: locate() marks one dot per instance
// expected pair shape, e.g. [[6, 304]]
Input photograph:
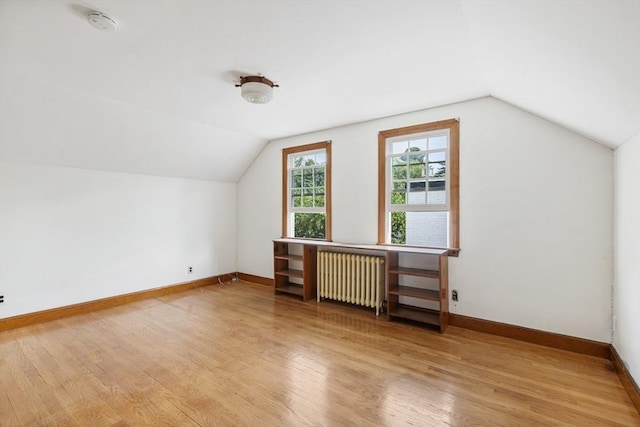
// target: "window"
[[306, 191], [418, 185]]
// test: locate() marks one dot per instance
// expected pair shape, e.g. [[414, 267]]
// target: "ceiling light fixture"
[[256, 89], [102, 21]]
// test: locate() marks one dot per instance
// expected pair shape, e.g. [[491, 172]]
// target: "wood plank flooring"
[[235, 354]]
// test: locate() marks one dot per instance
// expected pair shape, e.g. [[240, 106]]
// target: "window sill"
[[304, 239], [452, 252]]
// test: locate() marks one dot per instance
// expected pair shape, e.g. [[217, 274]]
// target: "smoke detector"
[[102, 21]]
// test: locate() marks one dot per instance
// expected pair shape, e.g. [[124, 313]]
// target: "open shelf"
[[289, 257], [407, 286], [423, 315], [292, 289], [410, 291], [288, 254], [291, 273], [419, 272]]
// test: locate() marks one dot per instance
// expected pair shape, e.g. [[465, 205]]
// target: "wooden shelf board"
[[410, 291], [434, 274], [291, 288], [423, 315], [382, 248], [290, 272], [289, 257]]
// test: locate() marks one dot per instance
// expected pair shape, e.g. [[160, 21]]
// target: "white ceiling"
[[576, 63]]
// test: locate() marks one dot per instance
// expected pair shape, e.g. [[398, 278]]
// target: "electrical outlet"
[[189, 269], [1, 298], [454, 295]]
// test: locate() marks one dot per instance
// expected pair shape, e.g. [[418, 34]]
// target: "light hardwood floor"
[[235, 354]]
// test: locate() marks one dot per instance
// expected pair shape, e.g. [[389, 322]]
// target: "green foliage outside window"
[[399, 228], [310, 225], [308, 190]]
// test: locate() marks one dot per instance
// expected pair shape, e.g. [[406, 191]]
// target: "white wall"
[[536, 214], [627, 255], [72, 235], [54, 125]]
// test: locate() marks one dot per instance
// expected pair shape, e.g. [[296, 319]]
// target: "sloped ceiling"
[[172, 66]]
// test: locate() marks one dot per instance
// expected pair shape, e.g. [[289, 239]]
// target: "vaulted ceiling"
[[576, 63]]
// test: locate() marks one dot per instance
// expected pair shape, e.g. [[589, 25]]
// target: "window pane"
[[438, 156], [437, 142], [437, 164], [399, 167], [399, 185], [427, 228], [398, 228], [296, 198], [417, 186], [437, 170], [437, 185], [417, 193], [318, 177], [398, 198], [399, 160], [399, 147], [307, 175], [310, 225], [417, 166], [321, 158], [437, 194], [437, 198], [420, 144], [319, 200], [296, 179], [307, 198]]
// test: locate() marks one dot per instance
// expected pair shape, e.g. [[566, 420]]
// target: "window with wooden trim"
[[418, 185], [306, 191]]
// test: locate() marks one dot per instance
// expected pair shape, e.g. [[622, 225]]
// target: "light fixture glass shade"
[[256, 92]]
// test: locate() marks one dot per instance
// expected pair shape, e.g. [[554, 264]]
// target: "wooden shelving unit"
[[305, 286], [410, 290], [431, 286]]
